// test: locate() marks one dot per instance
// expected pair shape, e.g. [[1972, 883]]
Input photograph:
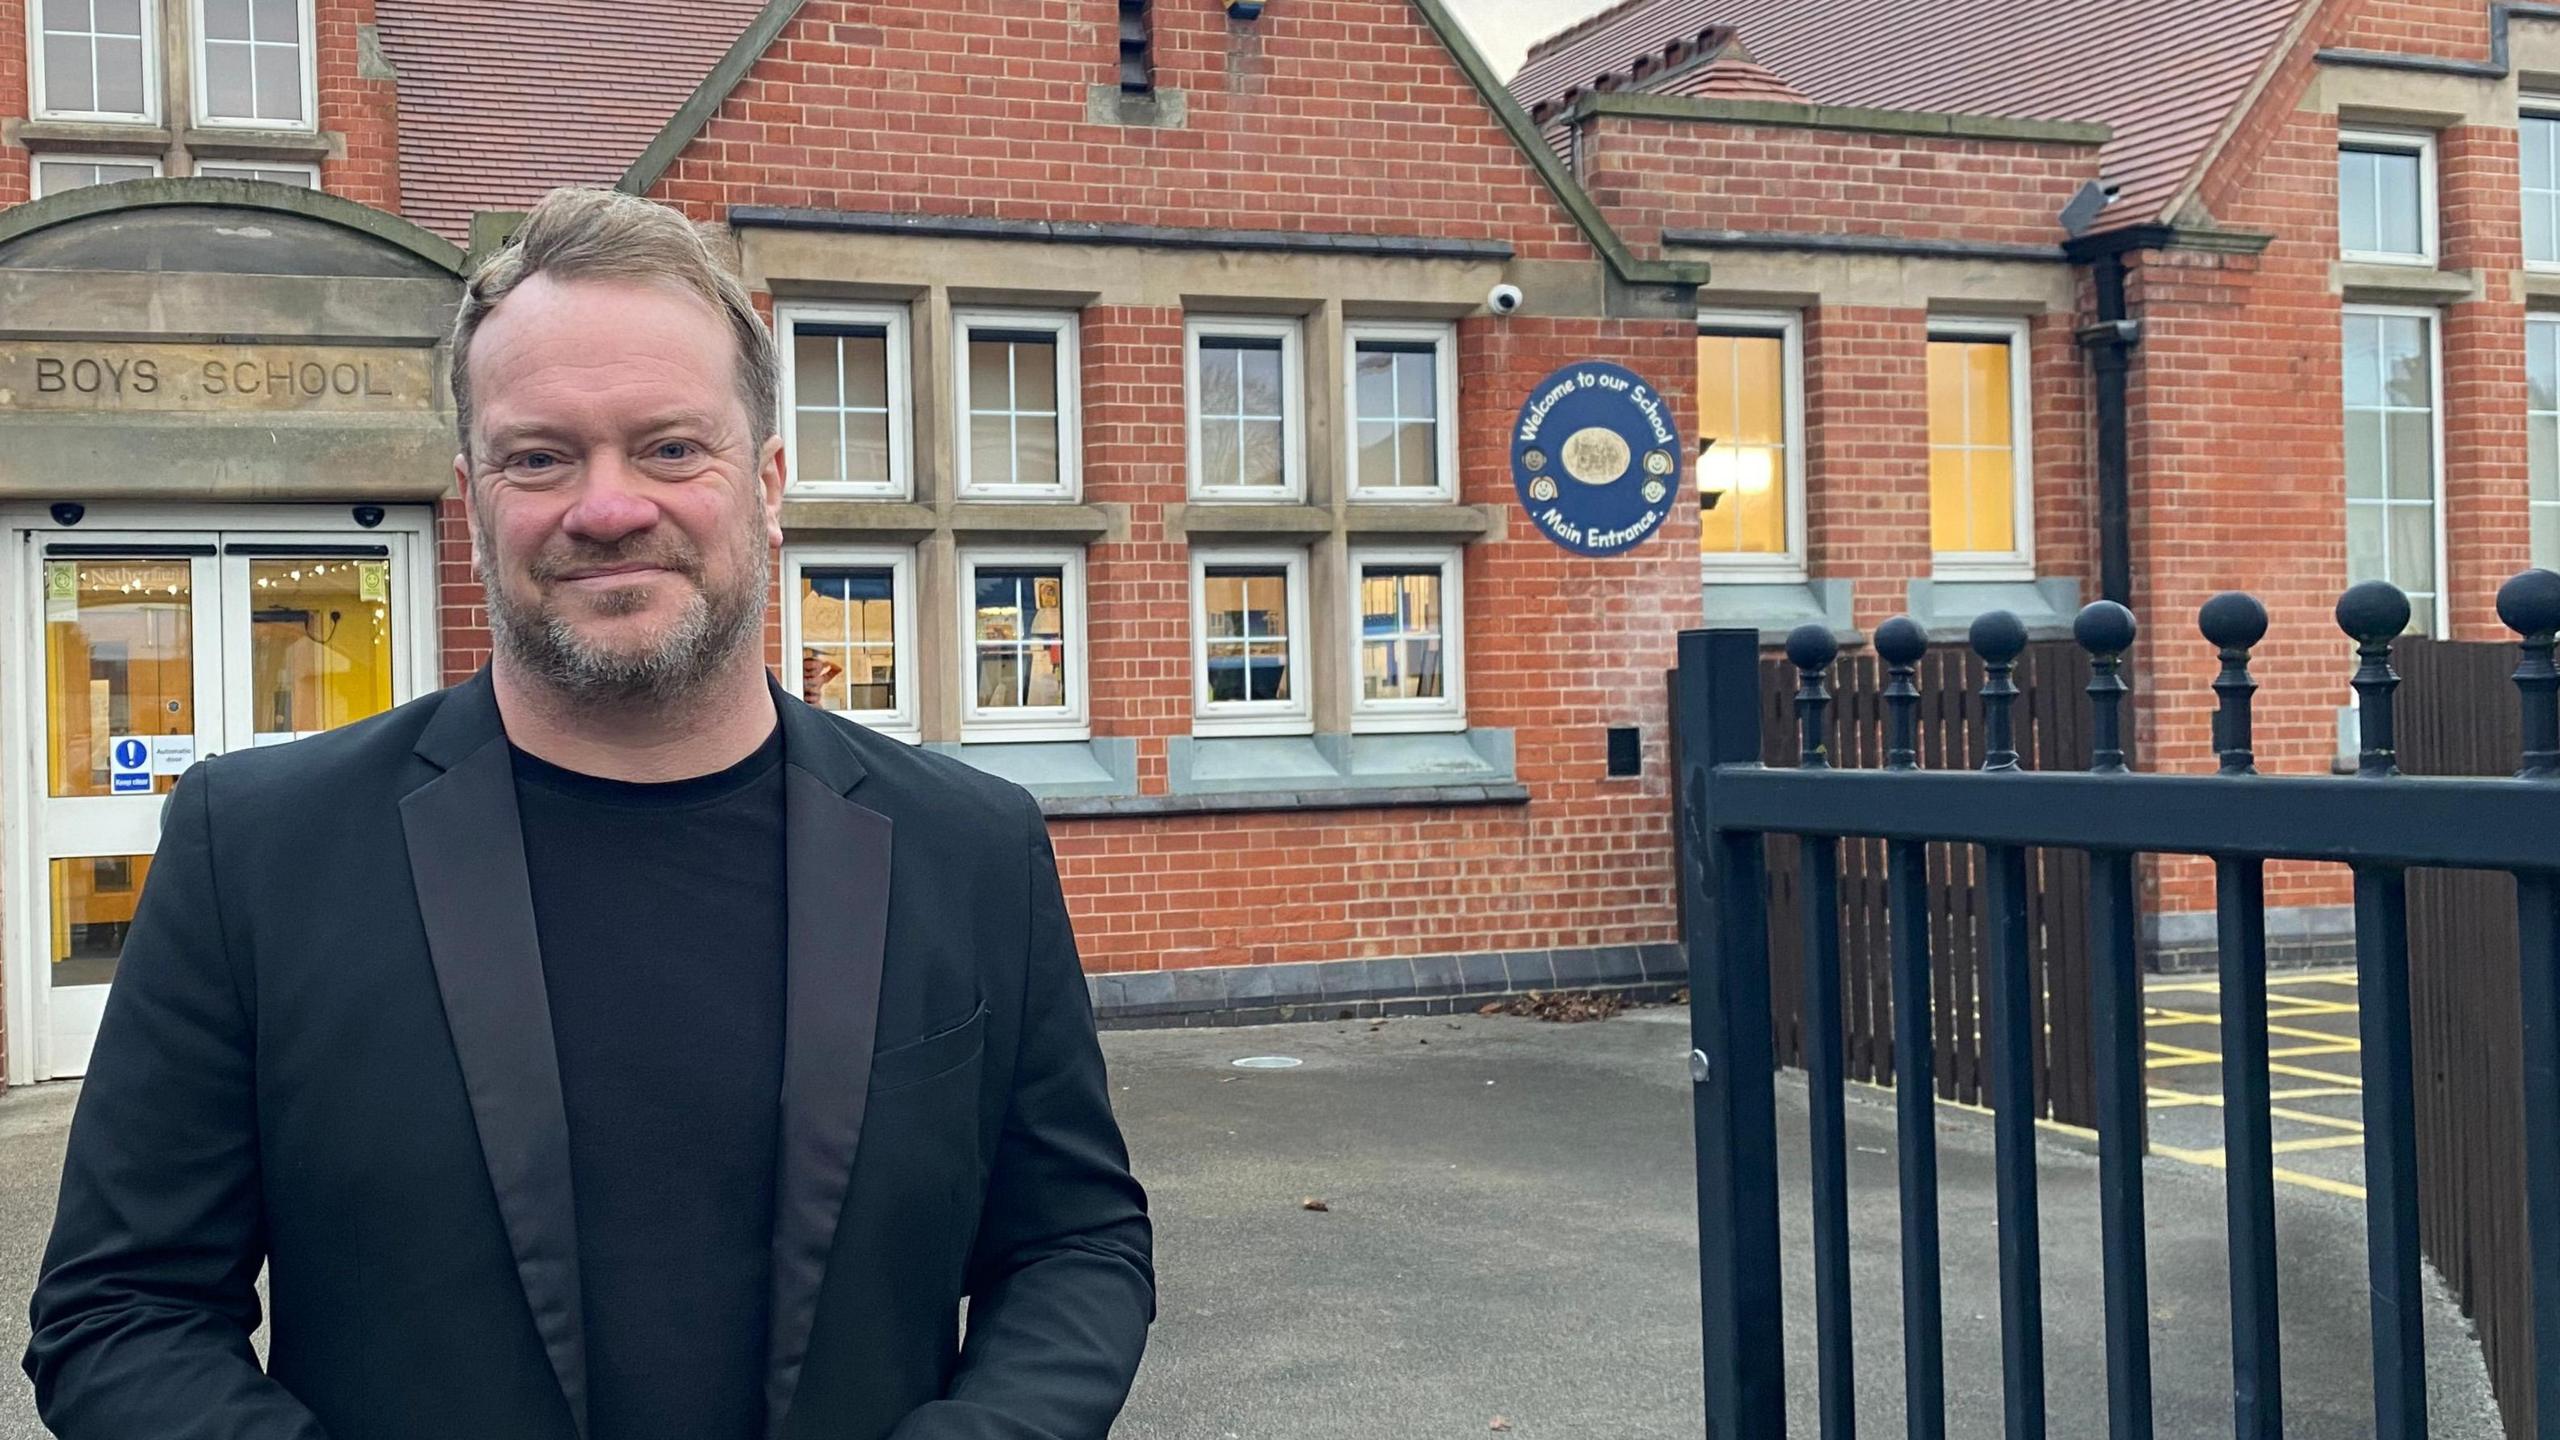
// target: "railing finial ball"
[[2530, 603], [2373, 613], [1998, 636], [1901, 641], [2234, 620], [2104, 628], [1812, 647]]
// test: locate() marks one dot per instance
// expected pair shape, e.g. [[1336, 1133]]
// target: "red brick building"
[[1148, 417], [2324, 227]]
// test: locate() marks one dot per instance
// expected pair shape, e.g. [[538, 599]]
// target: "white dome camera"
[[1504, 299]]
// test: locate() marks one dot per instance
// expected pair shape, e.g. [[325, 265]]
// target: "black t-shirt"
[[660, 912]]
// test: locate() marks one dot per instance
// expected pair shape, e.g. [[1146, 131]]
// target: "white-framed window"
[[2538, 146], [1408, 635], [1247, 421], [848, 421], [2542, 426], [1751, 407], [1402, 404], [848, 616], [70, 173], [2395, 455], [1981, 451], [1015, 391], [306, 176], [254, 65], [1022, 639], [1249, 643], [2387, 196], [95, 60]]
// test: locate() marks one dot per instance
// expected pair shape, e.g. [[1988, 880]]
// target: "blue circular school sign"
[[1596, 458]]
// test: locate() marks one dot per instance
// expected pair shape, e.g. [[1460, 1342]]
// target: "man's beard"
[[670, 671]]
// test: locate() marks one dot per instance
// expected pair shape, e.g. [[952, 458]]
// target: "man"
[[612, 1047]]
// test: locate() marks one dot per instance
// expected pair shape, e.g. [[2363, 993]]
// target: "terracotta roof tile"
[[2162, 73], [500, 101], [1732, 75]]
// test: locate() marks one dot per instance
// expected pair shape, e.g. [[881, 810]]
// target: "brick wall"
[[1346, 116], [1653, 175], [365, 111], [1557, 648], [17, 177]]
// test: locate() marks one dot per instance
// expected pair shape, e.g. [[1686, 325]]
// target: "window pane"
[[119, 661], [2413, 547], [226, 78], [2542, 364], [1994, 492], [1035, 453], [1421, 679], [2356, 201], [1950, 523], [226, 20], [1377, 455], [821, 461], [999, 680], [2364, 543], [2397, 203], [2364, 455], [120, 76], [276, 20], [1218, 389], [1946, 392], [118, 17], [1219, 457], [2546, 536], [866, 368], [1035, 375], [2537, 228], [813, 368], [2406, 376], [1416, 392], [2363, 364], [2533, 137], [990, 375], [1262, 392], [1263, 460], [1227, 663], [866, 447], [2542, 448], [68, 82], [319, 648], [849, 651], [1418, 455], [1742, 400], [2422, 615], [1987, 393], [1375, 382], [1222, 605], [94, 898], [1759, 381], [280, 83], [1020, 625], [2412, 463], [990, 450], [66, 15]]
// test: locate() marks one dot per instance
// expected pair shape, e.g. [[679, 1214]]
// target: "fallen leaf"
[[1312, 1203], [1499, 1423], [1565, 1007]]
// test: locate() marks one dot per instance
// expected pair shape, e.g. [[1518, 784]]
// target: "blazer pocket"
[[933, 1056]]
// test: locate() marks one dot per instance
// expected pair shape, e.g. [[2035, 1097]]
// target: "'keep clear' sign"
[[1596, 458]]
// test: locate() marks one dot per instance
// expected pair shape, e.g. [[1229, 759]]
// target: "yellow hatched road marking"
[[2213, 1160], [2317, 1142]]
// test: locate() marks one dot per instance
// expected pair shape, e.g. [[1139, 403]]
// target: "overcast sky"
[[1504, 28]]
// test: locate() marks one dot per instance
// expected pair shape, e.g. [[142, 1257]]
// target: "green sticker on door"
[[373, 580]]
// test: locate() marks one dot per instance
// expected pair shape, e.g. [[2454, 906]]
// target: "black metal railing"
[[2378, 822]]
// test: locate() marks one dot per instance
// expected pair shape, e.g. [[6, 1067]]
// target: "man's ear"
[[772, 474], [470, 502]]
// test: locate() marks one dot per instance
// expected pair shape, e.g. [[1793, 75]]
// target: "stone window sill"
[[1319, 772], [260, 144], [90, 137], [1055, 770], [1441, 521], [2371, 282], [1774, 608], [1946, 608]]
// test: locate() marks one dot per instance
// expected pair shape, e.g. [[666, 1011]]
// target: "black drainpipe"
[[2110, 344]]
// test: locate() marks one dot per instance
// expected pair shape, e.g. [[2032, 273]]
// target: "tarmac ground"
[[1510, 1231]]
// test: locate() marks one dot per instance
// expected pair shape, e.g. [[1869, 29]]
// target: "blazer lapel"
[[466, 855], [836, 888]]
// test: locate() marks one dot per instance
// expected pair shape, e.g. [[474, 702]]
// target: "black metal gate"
[[2378, 822]]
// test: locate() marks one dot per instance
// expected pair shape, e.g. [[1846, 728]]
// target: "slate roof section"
[[2163, 74], [501, 101]]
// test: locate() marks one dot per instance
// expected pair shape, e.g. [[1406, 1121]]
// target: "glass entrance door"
[[158, 649]]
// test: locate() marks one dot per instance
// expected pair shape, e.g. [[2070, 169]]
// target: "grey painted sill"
[[1776, 607], [1054, 769], [1946, 609], [1227, 774]]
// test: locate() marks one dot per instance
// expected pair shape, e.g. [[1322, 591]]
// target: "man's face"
[[623, 516]]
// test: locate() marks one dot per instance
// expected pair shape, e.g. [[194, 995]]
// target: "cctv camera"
[[1504, 299]]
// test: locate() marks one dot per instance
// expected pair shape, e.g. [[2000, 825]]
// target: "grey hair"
[[586, 233]]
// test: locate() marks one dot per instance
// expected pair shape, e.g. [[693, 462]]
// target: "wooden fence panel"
[[2458, 716]]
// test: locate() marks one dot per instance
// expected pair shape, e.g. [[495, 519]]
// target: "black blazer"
[[329, 1049]]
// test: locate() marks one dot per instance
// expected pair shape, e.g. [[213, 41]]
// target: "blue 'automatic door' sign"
[[1596, 458]]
